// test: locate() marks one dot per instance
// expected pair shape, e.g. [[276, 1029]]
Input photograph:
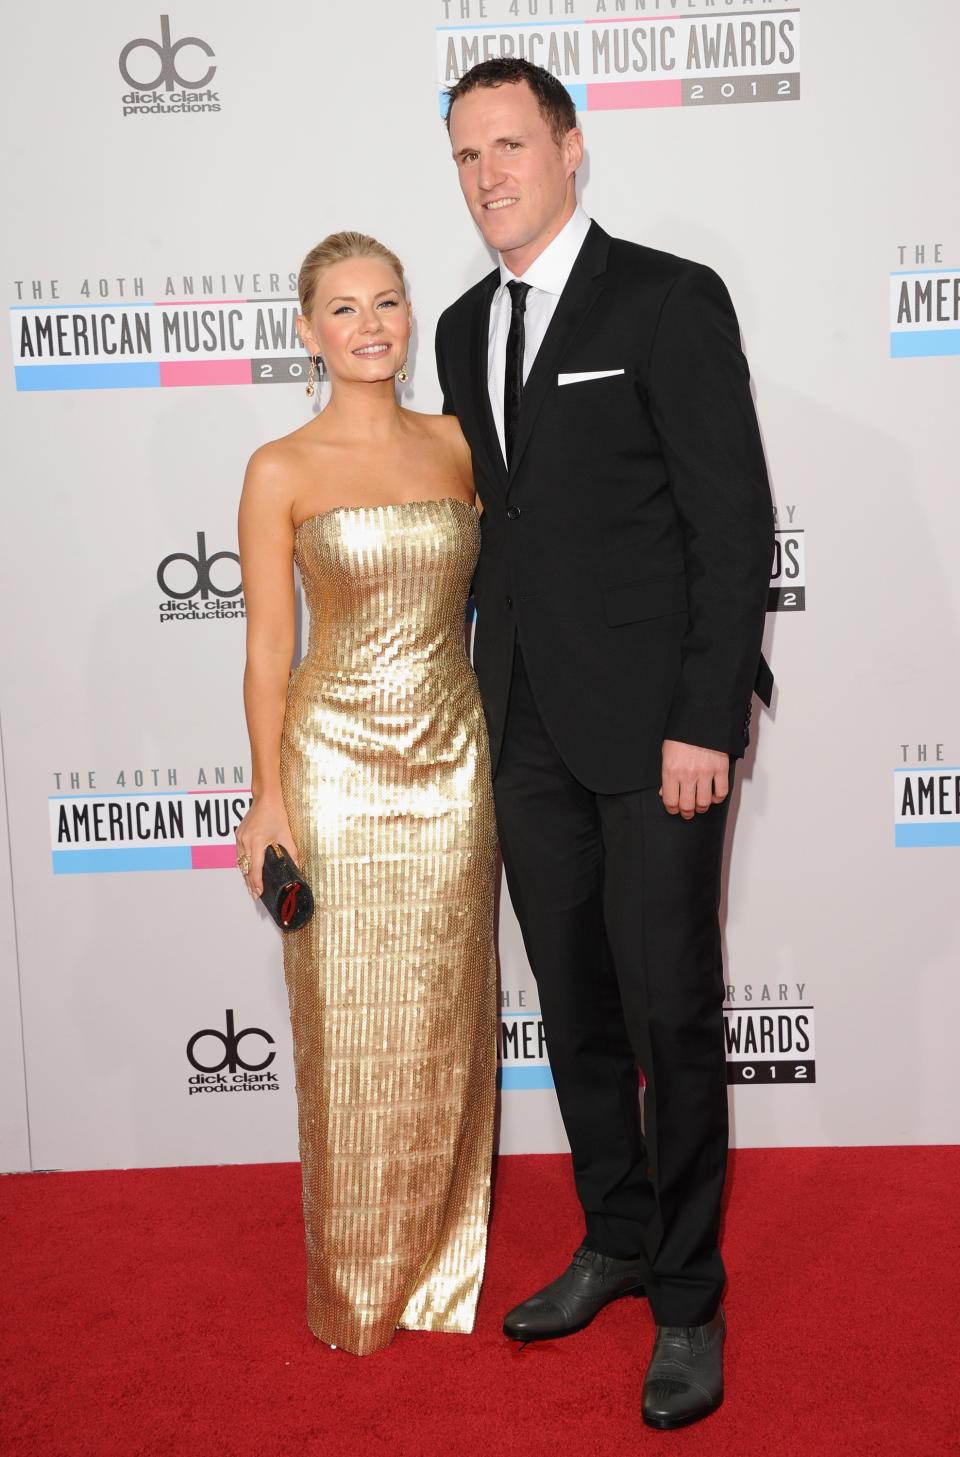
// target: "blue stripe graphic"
[[512, 25], [89, 862], [104, 303], [909, 837], [524, 1077], [87, 376], [912, 344], [143, 794]]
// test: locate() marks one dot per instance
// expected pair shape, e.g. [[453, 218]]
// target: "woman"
[[371, 768]]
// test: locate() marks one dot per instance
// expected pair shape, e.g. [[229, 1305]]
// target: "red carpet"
[[161, 1312]]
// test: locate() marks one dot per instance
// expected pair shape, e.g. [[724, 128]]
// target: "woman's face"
[[359, 321]]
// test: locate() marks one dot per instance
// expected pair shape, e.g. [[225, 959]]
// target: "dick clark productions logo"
[[193, 591], [147, 64], [222, 1067]]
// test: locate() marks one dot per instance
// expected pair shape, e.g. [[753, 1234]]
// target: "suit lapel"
[[480, 391], [582, 289]]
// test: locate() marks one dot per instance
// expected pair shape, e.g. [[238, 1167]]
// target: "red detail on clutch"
[[289, 907]]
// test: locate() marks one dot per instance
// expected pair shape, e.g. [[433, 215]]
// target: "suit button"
[[509, 601], [513, 513]]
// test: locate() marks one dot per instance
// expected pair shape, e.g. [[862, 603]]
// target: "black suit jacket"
[[630, 545]]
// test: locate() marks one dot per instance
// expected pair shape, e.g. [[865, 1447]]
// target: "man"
[[621, 589]]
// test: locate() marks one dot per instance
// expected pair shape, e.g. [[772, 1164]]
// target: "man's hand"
[[693, 778]]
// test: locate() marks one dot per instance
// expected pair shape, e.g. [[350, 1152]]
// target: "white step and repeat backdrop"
[[169, 172]]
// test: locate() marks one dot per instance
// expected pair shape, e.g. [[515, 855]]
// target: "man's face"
[[517, 181]]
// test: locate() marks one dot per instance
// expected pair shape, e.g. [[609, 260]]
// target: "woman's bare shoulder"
[[275, 474], [283, 459], [442, 424], [444, 429], [279, 454]]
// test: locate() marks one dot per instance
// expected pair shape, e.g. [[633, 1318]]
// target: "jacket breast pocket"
[[591, 415], [638, 601]]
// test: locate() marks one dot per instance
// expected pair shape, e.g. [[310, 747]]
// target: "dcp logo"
[[167, 52], [230, 1041], [203, 584]]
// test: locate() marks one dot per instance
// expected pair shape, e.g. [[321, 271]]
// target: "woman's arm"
[[266, 564]]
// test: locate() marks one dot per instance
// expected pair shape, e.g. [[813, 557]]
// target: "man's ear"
[[573, 148]]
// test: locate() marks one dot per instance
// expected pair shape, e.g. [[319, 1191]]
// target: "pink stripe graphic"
[[213, 857], [206, 371], [617, 95]]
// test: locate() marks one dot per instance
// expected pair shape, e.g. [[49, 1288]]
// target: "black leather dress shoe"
[[684, 1380], [570, 1302]]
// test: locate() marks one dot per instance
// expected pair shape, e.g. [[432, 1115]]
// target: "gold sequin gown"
[[392, 984]]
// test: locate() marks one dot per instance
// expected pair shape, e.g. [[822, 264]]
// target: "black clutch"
[[286, 894]]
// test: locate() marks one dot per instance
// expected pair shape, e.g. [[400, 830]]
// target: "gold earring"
[[316, 372], [403, 373]]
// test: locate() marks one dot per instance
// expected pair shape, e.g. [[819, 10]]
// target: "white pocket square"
[[584, 374]]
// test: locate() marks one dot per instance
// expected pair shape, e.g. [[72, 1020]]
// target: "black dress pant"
[[617, 901]]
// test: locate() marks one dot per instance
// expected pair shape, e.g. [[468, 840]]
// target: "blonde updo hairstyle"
[[337, 248]]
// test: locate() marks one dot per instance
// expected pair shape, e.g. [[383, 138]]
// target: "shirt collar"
[[550, 271]]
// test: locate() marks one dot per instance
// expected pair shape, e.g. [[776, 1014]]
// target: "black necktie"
[[513, 378]]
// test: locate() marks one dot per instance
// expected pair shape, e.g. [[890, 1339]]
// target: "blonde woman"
[[371, 767]]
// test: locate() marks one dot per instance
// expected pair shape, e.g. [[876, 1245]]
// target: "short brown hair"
[[553, 99], [337, 248]]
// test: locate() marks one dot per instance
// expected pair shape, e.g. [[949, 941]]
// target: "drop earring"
[[403, 373], [315, 373]]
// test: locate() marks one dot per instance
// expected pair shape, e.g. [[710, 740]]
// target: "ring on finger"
[[243, 864]]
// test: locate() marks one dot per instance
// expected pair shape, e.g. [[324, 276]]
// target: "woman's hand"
[[265, 823]]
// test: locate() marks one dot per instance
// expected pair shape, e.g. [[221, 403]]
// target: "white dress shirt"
[[547, 277]]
